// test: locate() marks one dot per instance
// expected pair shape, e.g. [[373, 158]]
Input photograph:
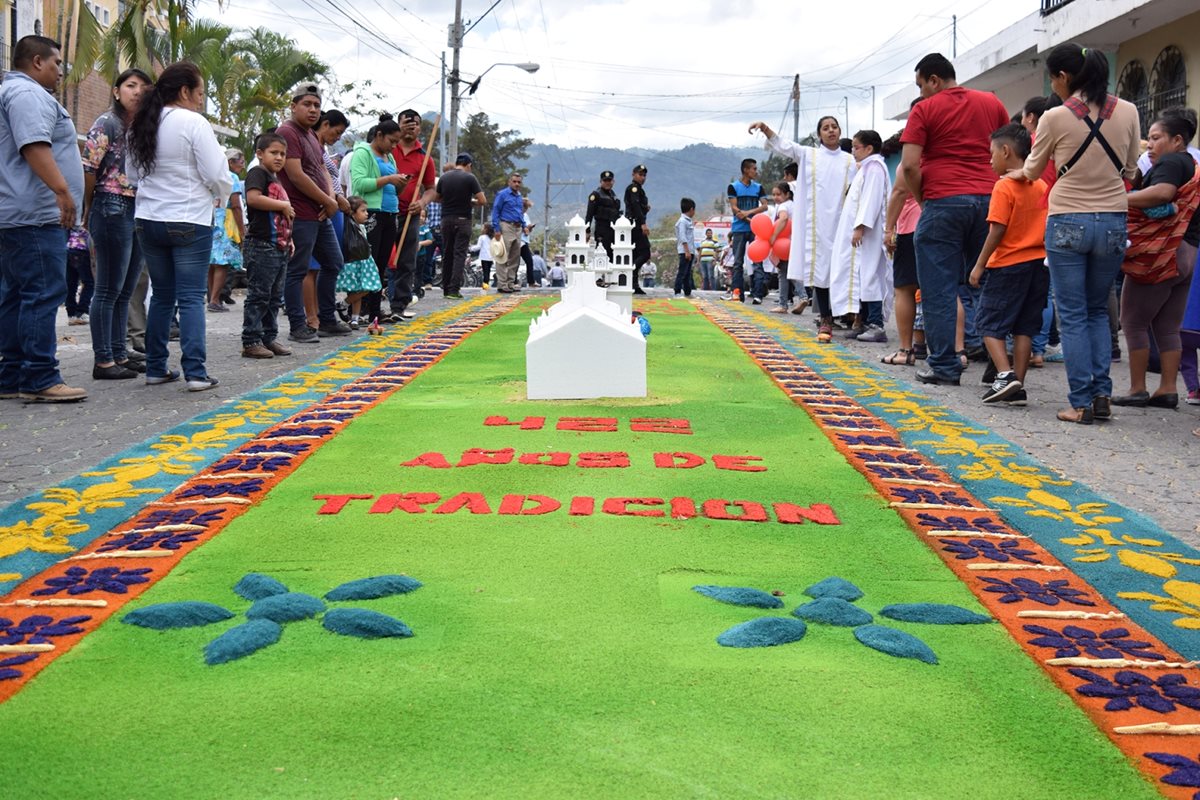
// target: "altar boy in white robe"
[[825, 173], [861, 271]]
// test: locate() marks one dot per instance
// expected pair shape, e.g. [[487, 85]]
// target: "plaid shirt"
[[433, 215]]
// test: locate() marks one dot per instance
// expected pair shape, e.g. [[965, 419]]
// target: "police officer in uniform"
[[637, 206], [604, 208]]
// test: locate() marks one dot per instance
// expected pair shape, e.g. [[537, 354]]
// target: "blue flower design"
[[78, 580], [1073, 641], [1185, 771], [38, 629], [7, 671], [1004, 551], [1050, 593], [163, 540], [244, 488], [960, 523], [1127, 689], [181, 516]]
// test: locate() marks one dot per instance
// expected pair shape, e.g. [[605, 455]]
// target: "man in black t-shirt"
[[459, 192]]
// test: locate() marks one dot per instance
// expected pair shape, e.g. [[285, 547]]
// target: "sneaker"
[[155, 380], [134, 364], [277, 349], [1053, 355], [756, 301], [854, 332], [825, 333], [989, 374], [353, 323], [453, 296], [1193, 397], [228, 300], [173, 334], [1006, 383], [77, 320], [927, 375], [305, 335], [406, 314], [338, 328], [59, 393], [217, 307], [1017, 398], [202, 384], [256, 351], [113, 372], [343, 310], [10, 394], [1116, 354], [873, 333]]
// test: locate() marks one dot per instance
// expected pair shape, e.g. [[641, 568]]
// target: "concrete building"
[[1153, 47], [17, 18]]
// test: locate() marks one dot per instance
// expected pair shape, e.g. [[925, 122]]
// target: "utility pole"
[[445, 133], [796, 108], [546, 209], [872, 108], [953, 36], [846, 100], [456, 37]]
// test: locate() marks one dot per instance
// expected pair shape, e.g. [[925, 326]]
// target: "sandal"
[[803, 304], [899, 357], [825, 333], [1080, 416]]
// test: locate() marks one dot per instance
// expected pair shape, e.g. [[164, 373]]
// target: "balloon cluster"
[[762, 227]]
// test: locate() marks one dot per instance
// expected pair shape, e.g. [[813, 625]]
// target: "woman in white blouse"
[[181, 172]]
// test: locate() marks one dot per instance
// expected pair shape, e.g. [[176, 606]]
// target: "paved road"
[[1147, 459]]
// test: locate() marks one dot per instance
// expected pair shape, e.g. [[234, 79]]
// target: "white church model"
[[588, 345]]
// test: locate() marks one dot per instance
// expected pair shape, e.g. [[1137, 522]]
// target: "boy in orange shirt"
[[1013, 257]]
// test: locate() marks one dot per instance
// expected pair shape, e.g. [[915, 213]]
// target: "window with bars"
[[1168, 80], [1134, 86]]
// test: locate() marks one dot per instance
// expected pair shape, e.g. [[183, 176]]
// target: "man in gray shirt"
[[41, 188]]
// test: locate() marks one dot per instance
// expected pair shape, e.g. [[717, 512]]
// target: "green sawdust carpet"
[[561, 654]]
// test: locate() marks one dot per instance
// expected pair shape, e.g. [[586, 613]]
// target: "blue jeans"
[[177, 256], [738, 242], [1043, 338], [266, 266], [118, 266], [948, 240], [1085, 252], [873, 312], [706, 274], [684, 280], [33, 269], [970, 297], [314, 240]]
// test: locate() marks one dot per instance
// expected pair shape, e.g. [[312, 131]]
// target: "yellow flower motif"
[[1183, 598], [38, 536]]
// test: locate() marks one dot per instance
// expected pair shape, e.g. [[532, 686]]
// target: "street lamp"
[[456, 96]]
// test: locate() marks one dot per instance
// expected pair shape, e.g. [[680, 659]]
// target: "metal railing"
[[1050, 6]]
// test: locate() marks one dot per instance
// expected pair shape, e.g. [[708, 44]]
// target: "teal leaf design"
[[933, 614], [894, 643], [833, 611], [373, 588], [255, 586], [190, 614], [239, 642], [764, 632], [740, 596], [835, 587], [364, 624], [290, 607]]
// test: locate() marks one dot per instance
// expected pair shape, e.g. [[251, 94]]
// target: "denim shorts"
[[1013, 299]]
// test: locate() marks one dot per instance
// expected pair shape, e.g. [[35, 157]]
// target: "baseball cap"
[[464, 158], [304, 89], [606, 175]]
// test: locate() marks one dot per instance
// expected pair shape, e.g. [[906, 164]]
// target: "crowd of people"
[[999, 237]]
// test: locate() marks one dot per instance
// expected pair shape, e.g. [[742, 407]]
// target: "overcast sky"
[[646, 74]]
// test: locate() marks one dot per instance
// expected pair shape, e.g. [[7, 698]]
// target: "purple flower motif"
[[1004, 551], [78, 581], [251, 464], [945, 497], [235, 488], [1072, 641], [1185, 771], [1050, 593], [295, 448], [300, 430], [38, 629], [7, 672], [959, 523], [1127, 689], [163, 540], [181, 516]]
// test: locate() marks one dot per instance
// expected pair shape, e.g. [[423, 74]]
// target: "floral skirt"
[[359, 276]]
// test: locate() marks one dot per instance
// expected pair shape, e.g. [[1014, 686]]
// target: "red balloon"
[[782, 248], [787, 229], [762, 225], [758, 250]]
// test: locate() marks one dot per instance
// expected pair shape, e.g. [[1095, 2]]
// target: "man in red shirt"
[[410, 156], [946, 164]]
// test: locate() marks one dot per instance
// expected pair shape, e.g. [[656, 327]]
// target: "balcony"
[[1050, 6]]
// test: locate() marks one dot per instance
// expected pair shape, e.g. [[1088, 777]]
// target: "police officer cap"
[[606, 175], [641, 168]]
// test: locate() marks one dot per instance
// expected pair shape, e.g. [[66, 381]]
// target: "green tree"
[[495, 152]]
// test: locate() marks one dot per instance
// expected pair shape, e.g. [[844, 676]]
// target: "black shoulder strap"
[[1093, 134]]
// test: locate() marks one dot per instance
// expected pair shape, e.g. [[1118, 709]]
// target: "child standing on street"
[[266, 249], [79, 276], [685, 245], [1013, 257], [360, 276]]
